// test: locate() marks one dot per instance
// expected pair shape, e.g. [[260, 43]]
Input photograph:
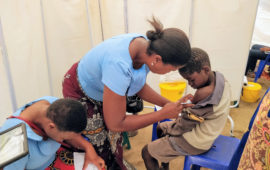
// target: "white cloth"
[[261, 34], [79, 160]]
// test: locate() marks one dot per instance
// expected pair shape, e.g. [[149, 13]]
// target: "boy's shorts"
[[162, 150]]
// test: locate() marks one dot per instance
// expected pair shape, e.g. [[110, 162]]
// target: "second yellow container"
[[251, 92], [172, 90]]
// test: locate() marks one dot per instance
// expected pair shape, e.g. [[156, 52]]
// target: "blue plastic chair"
[[261, 66], [219, 156], [154, 129], [225, 153]]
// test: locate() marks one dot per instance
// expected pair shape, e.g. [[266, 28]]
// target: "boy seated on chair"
[[196, 128]]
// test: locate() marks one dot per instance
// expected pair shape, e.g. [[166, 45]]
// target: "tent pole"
[[46, 49], [191, 20], [126, 15], [100, 16], [7, 68], [89, 23]]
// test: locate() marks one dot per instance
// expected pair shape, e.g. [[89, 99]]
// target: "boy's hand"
[[94, 159]]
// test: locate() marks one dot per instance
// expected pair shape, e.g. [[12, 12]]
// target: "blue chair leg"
[[195, 167], [154, 131], [187, 164], [261, 67]]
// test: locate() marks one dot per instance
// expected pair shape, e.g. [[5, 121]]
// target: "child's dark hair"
[[171, 44], [68, 115], [199, 58]]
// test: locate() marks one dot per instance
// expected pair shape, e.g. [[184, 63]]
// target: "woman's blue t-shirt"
[[110, 64]]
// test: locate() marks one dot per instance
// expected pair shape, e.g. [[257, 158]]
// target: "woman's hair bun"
[[152, 35], [157, 33]]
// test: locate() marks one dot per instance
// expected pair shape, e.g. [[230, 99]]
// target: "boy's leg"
[[165, 166], [160, 132], [159, 149], [150, 162]]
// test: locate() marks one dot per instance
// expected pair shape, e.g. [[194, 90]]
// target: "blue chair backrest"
[[237, 155]]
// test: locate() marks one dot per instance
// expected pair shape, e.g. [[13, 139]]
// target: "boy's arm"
[[90, 153], [202, 93]]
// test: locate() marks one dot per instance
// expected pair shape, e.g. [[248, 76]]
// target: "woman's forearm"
[[115, 117]]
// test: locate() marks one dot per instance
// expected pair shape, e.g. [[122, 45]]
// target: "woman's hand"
[[185, 101], [93, 158], [173, 109]]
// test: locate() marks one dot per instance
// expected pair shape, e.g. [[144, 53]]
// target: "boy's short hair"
[[199, 58], [68, 115]]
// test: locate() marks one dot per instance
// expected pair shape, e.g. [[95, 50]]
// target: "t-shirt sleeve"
[[116, 76]]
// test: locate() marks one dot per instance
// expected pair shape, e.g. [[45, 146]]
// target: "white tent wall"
[[44, 38], [6, 104], [224, 30], [112, 17], [38, 32], [21, 24], [94, 21], [67, 37]]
